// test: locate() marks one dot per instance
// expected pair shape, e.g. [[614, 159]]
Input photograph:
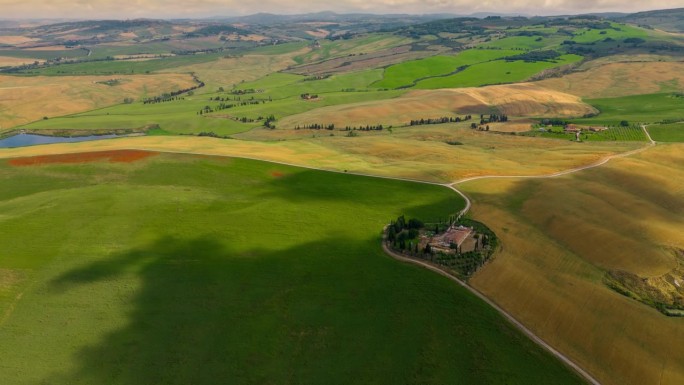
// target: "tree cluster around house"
[[460, 245], [308, 96]]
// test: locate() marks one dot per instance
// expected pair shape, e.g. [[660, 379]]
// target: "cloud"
[[202, 8]]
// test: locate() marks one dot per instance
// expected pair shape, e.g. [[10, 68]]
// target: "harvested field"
[[114, 156], [59, 96], [621, 79], [15, 40], [559, 238], [524, 100]]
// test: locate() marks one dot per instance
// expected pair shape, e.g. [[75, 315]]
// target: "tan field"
[[15, 40], [522, 100], [59, 96], [415, 153], [8, 61], [560, 236], [228, 71], [621, 79]]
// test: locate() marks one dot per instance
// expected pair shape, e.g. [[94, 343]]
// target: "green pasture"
[[44, 54], [612, 134], [588, 35], [180, 116], [495, 72], [407, 73], [282, 85], [181, 269], [112, 67], [667, 132], [650, 108]]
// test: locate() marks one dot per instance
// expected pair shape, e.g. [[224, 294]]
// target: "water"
[[23, 140]]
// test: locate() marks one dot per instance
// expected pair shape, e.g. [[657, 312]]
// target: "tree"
[[624, 123]]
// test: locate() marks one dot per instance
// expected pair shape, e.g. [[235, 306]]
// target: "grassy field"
[[618, 32], [407, 73], [667, 132], [651, 108], [626, 134], [112, 67], [559, 238], [495, 72], [178, 269]]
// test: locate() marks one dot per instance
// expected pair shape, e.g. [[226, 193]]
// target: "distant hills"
[[671, 20]]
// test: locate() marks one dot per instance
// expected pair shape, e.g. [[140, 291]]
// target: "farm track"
[[452, 185]]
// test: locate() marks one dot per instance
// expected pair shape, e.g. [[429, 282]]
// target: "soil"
[[115, 156]]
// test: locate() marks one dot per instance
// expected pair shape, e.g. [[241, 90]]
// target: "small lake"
[[23, 140]]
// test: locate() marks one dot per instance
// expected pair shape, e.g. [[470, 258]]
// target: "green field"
[[667, 132], [495, 72], [524, 42], [613, 134], [620, 32], [180, 116], [182, 269], [111, 67], [282, 85], [44, 54], [650, 108], [407, 73]]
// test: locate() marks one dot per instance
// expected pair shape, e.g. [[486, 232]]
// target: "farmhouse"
[[452, 239]]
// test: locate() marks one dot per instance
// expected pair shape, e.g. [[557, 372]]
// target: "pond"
[[23, 140]]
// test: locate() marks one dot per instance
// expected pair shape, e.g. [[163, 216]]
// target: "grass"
[[281, 85], [495, 72], [122, 66], [667, 132], [185, 269], [407, 73], [624, 134], [180, 116], [44, 55], [650, 108], [621, 32], [524, 42]]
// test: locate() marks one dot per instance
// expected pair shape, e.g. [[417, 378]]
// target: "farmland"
[[667, 132], [562, 235], [235, 282], [181, 255]]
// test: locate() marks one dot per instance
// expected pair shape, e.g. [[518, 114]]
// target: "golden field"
[[560, 236], [620, 79], [521, 100], [64, 95], [416, 153]]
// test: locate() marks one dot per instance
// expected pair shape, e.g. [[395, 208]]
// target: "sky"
[[130, 9]]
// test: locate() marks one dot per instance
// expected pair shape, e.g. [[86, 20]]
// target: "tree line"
[[174, 94], [442, 120]]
